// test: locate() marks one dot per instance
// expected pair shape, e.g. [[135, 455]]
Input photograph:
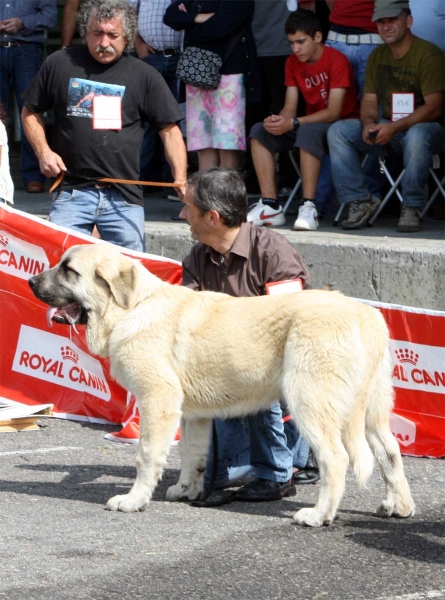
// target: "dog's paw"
[[179, 491], [127, 503], [310, 517], [390, 509]]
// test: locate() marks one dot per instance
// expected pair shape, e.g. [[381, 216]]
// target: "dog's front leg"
[[193, 449], [157, 430]]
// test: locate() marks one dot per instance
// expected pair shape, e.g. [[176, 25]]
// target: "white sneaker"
[[263, 215], [307, 219]]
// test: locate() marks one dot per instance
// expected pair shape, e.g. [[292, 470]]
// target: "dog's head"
[[85, 281]]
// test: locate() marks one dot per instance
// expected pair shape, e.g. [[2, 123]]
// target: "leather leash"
[[61, 177]]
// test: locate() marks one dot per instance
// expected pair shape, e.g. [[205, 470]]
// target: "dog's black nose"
[[32, 282]]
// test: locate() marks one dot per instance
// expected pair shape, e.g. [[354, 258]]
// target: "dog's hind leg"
[[320, 425], [193, 449], [159, 417], [398, 501]]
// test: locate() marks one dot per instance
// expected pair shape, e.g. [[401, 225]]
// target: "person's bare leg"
[[310, 169], [264, 163], [229, 159], [208, 158]]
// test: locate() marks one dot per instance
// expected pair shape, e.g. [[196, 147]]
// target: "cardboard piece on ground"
[[22, 418]]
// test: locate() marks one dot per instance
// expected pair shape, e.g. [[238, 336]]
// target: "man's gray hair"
[[222, 190], [105, 10]]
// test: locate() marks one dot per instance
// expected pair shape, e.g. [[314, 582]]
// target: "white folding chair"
[[435, 165]]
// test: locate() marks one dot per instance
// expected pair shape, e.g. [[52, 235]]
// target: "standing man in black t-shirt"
[[101, 99]]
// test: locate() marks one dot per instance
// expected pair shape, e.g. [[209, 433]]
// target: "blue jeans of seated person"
[[166, 66], [118, 220], [417, 145], [19, 64], [257, 446]]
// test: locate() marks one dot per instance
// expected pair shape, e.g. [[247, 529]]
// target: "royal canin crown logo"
[[69, 354], [407, 356], [3, 241]]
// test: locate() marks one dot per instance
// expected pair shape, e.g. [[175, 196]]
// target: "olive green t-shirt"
[[421, 71]]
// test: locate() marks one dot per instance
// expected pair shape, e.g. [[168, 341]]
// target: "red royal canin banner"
[[39, 364]]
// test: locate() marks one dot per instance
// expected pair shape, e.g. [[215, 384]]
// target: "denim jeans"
[[358, 55], [417, 146], [19, 64], [118, 221], [151, 144], [259, 446]]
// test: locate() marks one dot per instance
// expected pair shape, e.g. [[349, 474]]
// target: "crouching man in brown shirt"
[[240, 259]]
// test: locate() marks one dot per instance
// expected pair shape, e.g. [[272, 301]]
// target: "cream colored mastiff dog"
[[200, 355]]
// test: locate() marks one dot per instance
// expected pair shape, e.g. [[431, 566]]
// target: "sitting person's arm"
[[283, 122], [430, 111], [279, 124]]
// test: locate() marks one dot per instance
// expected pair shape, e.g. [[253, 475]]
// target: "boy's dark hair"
[[302, 20], [222, 190]]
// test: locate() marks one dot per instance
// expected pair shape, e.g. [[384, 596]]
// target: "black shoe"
[[264, 490], [310, 473]]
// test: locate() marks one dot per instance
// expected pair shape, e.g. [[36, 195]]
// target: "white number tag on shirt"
[[288, 286], [402, 106], [107, 112]]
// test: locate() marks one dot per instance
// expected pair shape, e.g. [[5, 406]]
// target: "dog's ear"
[[120, 277]]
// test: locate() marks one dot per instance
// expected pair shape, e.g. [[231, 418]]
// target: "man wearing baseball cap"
[[402, 109]]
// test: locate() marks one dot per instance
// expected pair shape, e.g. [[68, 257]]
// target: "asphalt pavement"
[[58, 541]]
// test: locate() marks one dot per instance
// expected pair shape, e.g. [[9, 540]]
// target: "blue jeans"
[[19, 64], [417, 146], [358, 55], [258, 446], [151, 144], [118, 221]]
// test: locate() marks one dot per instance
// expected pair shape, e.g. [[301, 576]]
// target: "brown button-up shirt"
[[258, 256]]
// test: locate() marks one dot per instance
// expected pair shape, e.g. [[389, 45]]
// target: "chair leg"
[[292, 196], [296, 186], [393, 189], [337, 218], [439, 188]]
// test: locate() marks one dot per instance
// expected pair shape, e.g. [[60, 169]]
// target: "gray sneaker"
[[409, 219], [360, 212]]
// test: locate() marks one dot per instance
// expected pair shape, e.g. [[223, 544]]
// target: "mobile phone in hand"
[[372, 135]]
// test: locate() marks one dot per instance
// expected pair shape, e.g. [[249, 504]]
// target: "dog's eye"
[[68, 269]]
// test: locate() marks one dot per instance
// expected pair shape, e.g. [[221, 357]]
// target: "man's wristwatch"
[[296, 124]]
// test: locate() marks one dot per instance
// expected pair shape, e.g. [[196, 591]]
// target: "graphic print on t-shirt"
[[82, 91]]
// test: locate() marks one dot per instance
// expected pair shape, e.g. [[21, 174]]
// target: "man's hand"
[[51, 164], [11, 25], [142, 48], [385, 133], [181, 192], [277, 124]]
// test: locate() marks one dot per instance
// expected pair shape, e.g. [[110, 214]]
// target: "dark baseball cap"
[[388, 8]]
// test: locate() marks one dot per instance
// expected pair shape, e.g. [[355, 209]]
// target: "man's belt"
[[105, 182], [168, 51], [353, 39], [13, 43]]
